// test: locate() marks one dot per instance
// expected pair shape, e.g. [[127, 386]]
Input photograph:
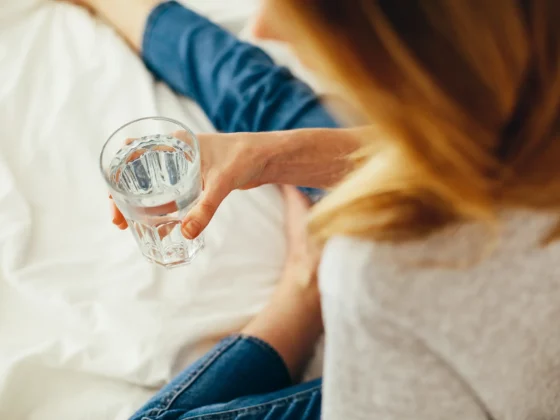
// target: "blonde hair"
[[464, 98]]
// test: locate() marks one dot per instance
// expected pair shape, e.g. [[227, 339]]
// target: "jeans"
[[237, 84], [240, 378], [240, 89]]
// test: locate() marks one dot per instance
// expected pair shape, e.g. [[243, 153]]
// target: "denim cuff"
[[314, 194], [278, 361], [149, 36], [162, 41]]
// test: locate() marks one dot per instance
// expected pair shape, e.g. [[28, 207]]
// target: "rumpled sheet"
[[88, 329]]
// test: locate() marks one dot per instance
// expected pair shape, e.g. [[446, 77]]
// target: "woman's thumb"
[[201, 214]]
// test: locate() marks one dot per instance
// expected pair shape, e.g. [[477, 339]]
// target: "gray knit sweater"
[[457, 327]]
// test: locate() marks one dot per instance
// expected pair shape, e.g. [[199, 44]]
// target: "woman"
[[439, 288]]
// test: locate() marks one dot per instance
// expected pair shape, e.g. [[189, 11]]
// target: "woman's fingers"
[[123, 225], [118, 218], [301, 252], [296, 210]]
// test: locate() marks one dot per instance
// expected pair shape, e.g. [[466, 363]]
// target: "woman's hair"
[[463, 99]]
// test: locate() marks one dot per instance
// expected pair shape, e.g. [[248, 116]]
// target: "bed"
[[88, 329]]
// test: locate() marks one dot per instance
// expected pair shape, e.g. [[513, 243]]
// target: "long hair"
[[463, 99]]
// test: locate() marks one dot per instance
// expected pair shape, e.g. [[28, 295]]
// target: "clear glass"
[[152, 167]]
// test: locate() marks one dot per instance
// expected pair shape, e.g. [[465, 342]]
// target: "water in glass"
[[160, 179]]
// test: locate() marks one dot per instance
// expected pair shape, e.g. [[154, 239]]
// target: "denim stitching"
[[196, 373], [230, 414], [270, 350], [172, 394], [262, 344], [157, 412]]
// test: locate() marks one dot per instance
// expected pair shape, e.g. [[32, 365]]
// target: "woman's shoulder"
[[360, 268], [482, 302]]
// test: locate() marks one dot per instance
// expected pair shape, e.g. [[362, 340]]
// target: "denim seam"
[[156, 412], [230, 414], [271, 351]]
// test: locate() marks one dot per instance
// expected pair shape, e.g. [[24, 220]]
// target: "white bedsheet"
[[88, 329]]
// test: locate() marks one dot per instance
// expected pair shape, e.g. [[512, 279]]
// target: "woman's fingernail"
[[115, 220], [191, 229]]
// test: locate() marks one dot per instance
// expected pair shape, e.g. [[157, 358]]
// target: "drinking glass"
[[152, 168]]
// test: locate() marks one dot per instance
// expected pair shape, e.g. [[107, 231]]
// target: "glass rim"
[[114, 133]]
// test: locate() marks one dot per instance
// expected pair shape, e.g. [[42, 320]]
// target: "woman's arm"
[[310, 157]]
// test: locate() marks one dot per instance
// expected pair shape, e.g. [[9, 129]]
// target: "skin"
[[310, 157], [291, 322]]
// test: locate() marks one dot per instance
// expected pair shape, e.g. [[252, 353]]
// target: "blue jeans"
[[240, 378], [240, 89], [237, 84]]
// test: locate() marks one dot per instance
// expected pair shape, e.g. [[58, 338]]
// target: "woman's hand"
[[229, 162], [307, 157], [302, 256]]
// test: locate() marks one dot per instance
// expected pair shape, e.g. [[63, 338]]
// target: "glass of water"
[[152, 167]]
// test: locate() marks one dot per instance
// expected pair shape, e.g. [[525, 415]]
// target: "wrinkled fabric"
[[88, 329]]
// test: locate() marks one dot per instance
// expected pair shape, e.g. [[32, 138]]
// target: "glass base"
[[178, 255]]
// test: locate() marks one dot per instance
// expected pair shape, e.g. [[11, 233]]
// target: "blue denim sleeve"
[[237, 84]]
